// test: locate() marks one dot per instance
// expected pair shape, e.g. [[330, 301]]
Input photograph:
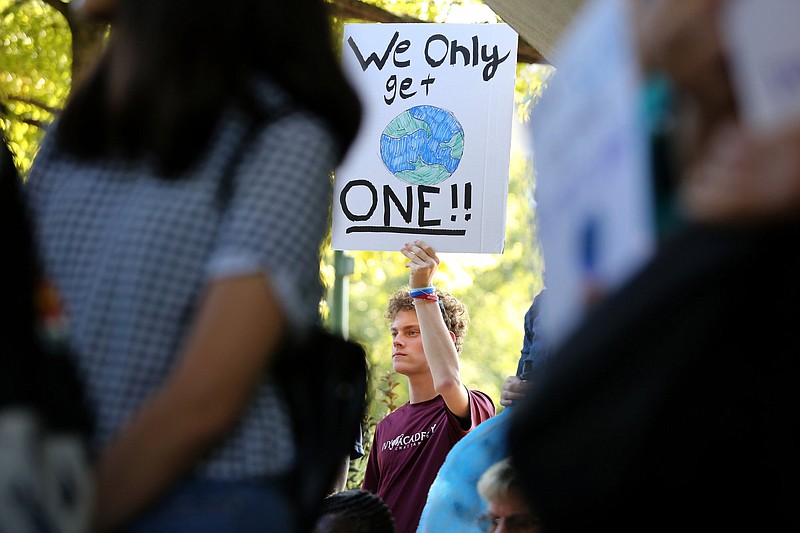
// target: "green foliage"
[[35, 73], [385, 394], [531, 83]]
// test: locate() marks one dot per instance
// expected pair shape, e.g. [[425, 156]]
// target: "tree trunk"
[[88, 42]]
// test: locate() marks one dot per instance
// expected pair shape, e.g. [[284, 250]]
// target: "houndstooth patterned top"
[[131, 253]]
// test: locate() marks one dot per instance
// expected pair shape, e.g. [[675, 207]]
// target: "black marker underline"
[[390, 229]]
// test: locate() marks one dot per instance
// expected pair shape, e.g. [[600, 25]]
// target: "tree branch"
[[6, 115], [34, 102], [41, 124], [11, 6]]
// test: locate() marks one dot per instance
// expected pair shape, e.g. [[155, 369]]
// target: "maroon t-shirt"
[[408, 449]]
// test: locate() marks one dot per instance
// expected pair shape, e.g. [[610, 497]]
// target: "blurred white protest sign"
[[593, 192], [764, 44], [432, 155]]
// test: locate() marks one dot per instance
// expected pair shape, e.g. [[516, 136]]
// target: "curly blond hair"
[[455, 314]]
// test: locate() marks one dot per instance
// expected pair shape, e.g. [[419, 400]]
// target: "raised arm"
[[440, 350]]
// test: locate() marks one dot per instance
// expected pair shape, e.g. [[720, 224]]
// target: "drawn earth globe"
[[423, 145]]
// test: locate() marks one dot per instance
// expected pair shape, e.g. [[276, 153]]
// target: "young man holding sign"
[[411, 443]]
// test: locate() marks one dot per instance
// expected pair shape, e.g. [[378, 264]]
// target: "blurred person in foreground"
[[180, 201], [674, 405], [410, 444]]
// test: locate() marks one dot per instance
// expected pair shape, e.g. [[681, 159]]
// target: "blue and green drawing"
[[423, 145]]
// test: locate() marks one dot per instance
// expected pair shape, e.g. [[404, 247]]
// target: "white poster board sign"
[[431, 158], [764, 42], [590, 152]]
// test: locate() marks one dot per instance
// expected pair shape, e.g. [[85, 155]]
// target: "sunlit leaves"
[[531, 82], [35, 72]]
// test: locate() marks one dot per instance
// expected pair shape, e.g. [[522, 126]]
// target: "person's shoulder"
[[482, 398]]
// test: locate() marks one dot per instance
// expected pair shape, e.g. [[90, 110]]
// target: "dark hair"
[[358, 511], [21, 269], [455, 314], [183, 61]]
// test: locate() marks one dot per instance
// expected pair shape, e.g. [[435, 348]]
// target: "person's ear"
[[452, 336]]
